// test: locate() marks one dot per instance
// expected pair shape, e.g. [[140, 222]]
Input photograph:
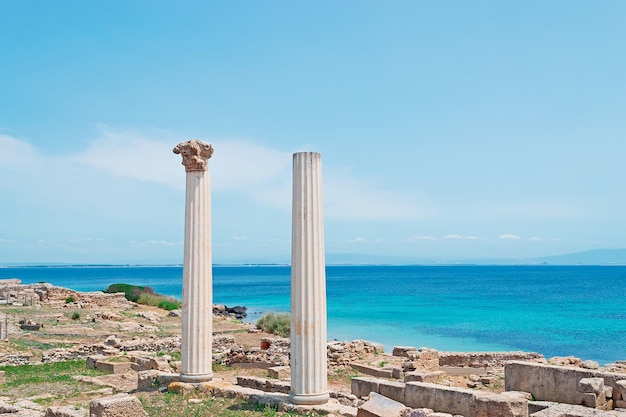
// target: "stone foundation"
[[561, 384]]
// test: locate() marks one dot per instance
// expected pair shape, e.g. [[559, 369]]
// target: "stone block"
[[185, 388], [408, 366], [487, 380], [424, 376], [66, 411], [361, 387], [91, 360], [537, 406], [403, 350], [396, 372], [112, 367], [454, 400], [588, 399], [620, 390], [424, 354], [252, 382], [373, 371], [151, 380], [569, 410], [121, 405], [160, 364], [489, 405], [591, 385], [420, 395], [439, 398], [380, 406], [140, 363], [391, 389], [620, 404], [279, 372], [557, 383], [590, 365], [283, 387]]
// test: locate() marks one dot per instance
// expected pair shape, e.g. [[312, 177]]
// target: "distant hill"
[[590, 257]]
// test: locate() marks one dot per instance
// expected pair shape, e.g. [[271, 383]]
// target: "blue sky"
[[448, 129]]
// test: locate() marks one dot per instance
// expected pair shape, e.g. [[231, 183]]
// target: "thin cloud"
[[152, 243], [350, 198], [16, 154], [356, 240], [85, 239], [508, 237], [543, 239], [237, 164], [131, 155], [460, 237], [427, 237]]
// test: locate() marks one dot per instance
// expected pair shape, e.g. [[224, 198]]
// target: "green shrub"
[[75, 315], [131, 292], [147, 299], [169, 305], [69, 299], [275, 323], [145, 296]]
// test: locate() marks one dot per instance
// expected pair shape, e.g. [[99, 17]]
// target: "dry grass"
[[169, 404]]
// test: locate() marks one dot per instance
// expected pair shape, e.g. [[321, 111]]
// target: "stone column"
[[308, 283], [197, 328]]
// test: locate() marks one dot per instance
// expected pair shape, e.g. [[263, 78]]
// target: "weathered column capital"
[[195, 154]]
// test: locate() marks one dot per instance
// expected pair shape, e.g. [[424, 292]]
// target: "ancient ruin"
[[197, 272], [308, 283]]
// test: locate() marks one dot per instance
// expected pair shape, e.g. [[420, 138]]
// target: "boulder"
[[121, 405], [380, 406], [403, 351]]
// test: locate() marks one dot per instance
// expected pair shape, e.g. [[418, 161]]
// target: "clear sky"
[[448, 129]]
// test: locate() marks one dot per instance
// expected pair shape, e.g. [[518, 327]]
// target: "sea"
[[553, 310]]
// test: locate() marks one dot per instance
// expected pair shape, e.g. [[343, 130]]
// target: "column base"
[[309, 399], [195, 378]]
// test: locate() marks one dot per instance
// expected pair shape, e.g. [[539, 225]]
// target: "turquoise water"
[[554, 310]]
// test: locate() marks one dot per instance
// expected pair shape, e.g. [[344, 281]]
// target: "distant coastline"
[[595, 257]]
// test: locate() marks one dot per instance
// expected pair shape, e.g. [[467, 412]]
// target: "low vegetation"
[[54, 379], [170, 404], [145, 296], [276, 323]]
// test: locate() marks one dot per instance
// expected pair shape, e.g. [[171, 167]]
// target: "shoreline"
[[388, 344], [396, 327]]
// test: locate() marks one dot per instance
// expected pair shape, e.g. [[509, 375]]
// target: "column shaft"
[[197, 337], [197, 281], [308, 284]]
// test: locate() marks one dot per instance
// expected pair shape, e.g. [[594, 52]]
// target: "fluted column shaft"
[[197, 266], [308, 283]]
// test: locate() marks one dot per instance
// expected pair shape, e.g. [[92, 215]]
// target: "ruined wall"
[[484, 359], [552, 383], [440, 398]]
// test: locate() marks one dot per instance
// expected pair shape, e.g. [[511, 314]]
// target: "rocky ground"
[[44, 325]]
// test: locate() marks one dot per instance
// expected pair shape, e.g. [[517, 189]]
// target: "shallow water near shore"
[[553, 310]]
